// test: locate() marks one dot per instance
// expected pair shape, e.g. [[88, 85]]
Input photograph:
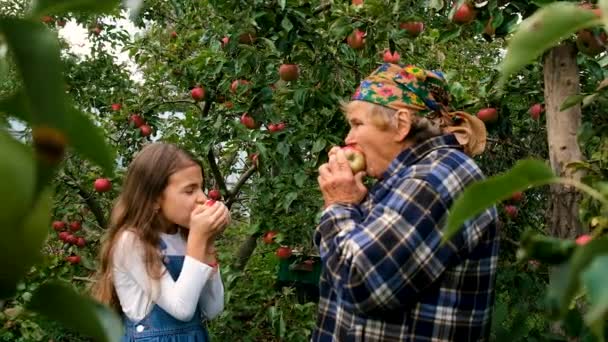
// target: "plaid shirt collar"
[[412, 155]]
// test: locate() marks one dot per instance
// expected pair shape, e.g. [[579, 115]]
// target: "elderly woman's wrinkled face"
[[373, 129]]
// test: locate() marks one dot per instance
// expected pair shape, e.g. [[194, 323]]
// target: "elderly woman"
[[387, 275]]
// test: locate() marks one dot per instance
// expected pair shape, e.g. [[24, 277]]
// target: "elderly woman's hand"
[[337, 182]]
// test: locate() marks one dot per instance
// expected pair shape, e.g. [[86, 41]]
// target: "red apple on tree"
[[59, 225], [536, 110], [357, 2], [116, 107], [254, 159], [414, 28], [487, 115], [137, 120], [225, 41], [583, 239], [72, 240], [355, 158], [511, 211], [288, 72], [269, 236], [145, 130], [464, 14], [248, 121], [61, 23], [276, 127], [198, 93], [517, 196], [173, 34], [73, 259], [47, 19], [80, 241], [391, 57], [214, 194], [63, 236], [356, 39], [102, 185], [75, 226], [228, 104], [283, 252]]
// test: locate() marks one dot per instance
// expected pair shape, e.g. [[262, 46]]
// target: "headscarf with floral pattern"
[[425, 92]]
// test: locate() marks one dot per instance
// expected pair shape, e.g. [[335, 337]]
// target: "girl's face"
[[179, 198]]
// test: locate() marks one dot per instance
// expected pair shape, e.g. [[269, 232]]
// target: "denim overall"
[[158, 325]]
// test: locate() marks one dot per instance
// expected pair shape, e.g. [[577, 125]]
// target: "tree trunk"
[[245, 251], [562, 80]]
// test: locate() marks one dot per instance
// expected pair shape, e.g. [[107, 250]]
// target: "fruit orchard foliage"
[[182, 48]]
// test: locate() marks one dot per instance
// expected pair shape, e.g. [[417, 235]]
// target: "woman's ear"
[[404, 124]]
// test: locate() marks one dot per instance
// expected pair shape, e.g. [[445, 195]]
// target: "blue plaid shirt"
[[386, 275]]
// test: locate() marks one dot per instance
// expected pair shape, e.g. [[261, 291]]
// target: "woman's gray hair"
[[383, 117]]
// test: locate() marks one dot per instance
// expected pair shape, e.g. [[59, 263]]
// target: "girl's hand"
[[209, 219]]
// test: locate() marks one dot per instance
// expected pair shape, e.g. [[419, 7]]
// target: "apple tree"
[[254, 89]]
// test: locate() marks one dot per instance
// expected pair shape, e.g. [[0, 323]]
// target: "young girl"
[[158, 266]]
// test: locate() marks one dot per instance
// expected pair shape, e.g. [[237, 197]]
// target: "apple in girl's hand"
[[355, 158]]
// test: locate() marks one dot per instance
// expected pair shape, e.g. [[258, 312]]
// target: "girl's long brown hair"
[[134, 210]]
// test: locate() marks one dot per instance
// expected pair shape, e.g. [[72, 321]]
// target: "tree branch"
[[89, 200], [503, 142], [87, 279], [215, 170], [235, 190], [179, 101], [321, 8]]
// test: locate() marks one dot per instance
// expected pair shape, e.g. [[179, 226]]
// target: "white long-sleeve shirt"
[[198, 283]]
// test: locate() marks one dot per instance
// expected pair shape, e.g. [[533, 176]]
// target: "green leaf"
[[564, 280], [340, 27], [300, 178], [319, 145], [254, 229], [48, 7], [449, 34], [595, 279], [61, 303], [483, 194], [88, 139], [43, 102], [289, 199], [22, 242], [18, 174], [283, 148], [40, 68], [543, 248], [542, 30], [572, 101], [286, 24], [282, 4]]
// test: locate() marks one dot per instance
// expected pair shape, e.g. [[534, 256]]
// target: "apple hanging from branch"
[[197, 93], [289, 72]]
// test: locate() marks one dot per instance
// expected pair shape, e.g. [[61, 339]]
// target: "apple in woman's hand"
[[355, 158]]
